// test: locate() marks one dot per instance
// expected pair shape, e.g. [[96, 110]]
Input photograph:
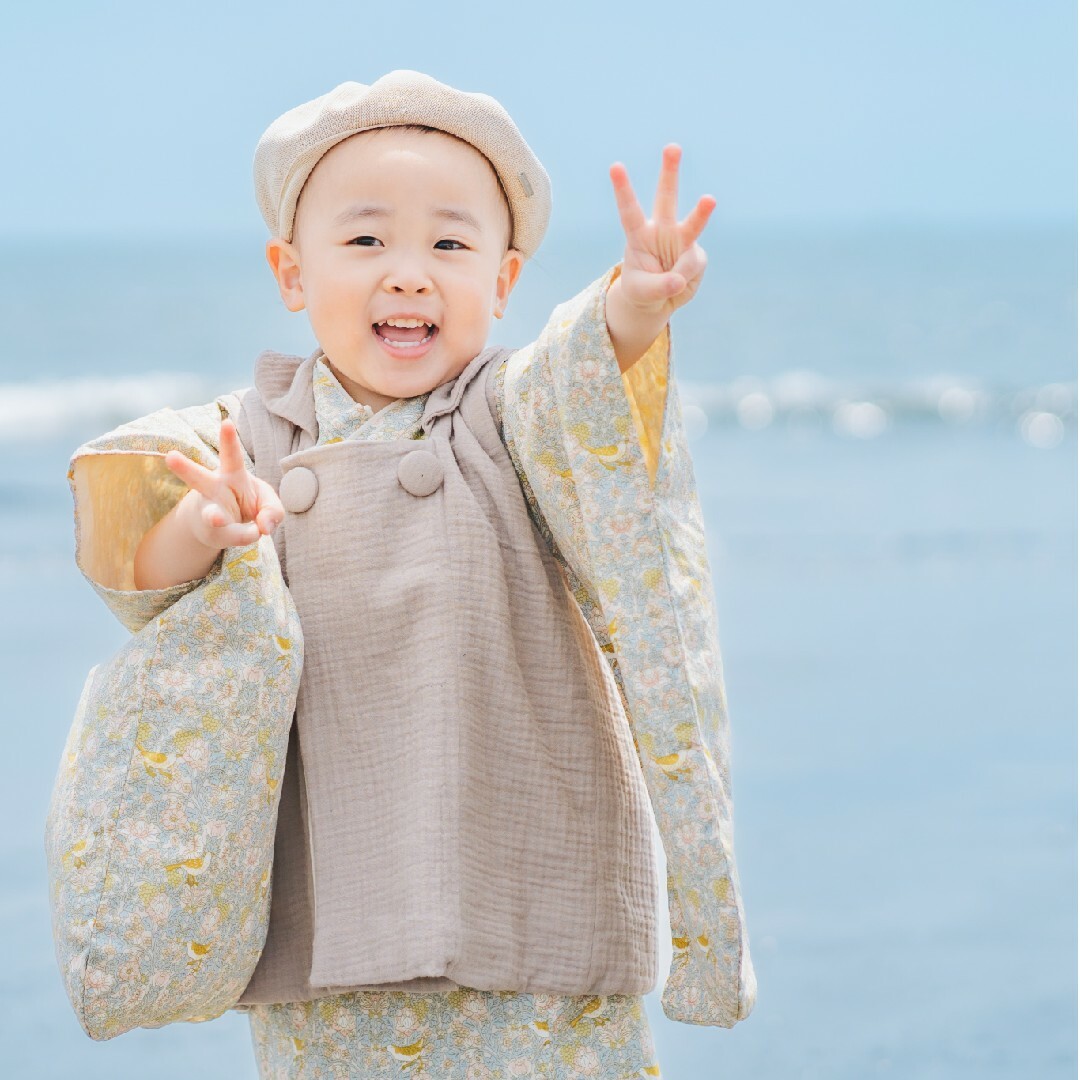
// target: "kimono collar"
[[284, 383]]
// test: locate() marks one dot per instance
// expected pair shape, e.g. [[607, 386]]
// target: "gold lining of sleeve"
[[646, 382], [118, 497]]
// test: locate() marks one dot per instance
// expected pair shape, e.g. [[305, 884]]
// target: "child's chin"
[[422, 379]]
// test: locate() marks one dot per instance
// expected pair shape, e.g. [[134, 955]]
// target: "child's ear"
[[509, 272], [284, 260]]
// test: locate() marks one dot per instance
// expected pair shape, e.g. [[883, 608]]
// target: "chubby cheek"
[[473, 303], [337, 315]]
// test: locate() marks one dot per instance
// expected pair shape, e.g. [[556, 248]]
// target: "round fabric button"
[[420, 472], [298, 489]]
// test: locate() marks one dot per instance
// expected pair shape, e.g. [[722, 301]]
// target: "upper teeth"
[[403, 322]]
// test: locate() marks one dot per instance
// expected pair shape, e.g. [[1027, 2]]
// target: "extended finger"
[[695, 222], [230, 455], [630, 213], [191, 472], [666, 205]]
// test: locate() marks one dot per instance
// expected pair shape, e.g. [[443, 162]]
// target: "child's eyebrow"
[[358, 213], [371, 210], [450, 213]]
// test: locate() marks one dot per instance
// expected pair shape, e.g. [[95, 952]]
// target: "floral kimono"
[[604, 467]]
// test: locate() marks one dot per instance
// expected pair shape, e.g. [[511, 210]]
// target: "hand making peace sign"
[[663, 265], [232, 508]]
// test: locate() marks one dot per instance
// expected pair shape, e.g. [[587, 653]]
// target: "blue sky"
[[141, 119]]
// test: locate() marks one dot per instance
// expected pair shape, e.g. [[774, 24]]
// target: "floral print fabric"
[[458, 1035], [607, 475], [156, 837]]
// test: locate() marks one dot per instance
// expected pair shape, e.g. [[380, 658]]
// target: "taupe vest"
[[462, 802]]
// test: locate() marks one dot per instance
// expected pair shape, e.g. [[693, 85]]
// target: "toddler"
[[461, 592]]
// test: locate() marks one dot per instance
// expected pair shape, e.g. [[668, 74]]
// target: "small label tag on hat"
[[525, 184]]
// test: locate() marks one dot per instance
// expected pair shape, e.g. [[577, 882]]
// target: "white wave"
[[51, 408], [864, 409]]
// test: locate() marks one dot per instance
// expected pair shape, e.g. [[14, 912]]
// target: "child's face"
[[371, 241]]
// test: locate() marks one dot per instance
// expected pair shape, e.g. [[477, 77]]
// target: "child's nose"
[[408, 275]]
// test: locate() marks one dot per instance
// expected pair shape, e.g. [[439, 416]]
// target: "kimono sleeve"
[[605, 468], [160, 832], [121, 487]]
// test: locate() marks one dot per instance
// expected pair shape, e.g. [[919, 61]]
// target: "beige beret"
[[292, 145]]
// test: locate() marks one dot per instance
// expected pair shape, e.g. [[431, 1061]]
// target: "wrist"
[[632, 329], [172, 552]]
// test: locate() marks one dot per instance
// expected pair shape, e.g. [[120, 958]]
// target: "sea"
[[883, 423]]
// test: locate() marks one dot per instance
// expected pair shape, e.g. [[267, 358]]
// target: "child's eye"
[[458, 242], [359, 240]]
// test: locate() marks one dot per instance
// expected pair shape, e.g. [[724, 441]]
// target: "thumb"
[[674, 283], [648, 288]]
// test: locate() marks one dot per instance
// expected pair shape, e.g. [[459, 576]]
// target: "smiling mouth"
[[405, 345]]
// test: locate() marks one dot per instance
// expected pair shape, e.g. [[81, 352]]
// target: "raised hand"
[[230, 506], [663, 264]]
